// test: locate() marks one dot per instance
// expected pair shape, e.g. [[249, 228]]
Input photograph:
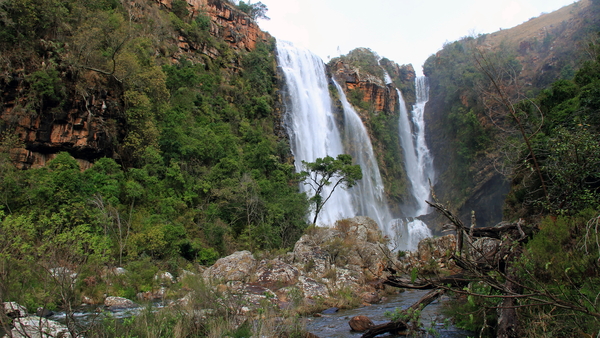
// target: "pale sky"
[[401, 30]]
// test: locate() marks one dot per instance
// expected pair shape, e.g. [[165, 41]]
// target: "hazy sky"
[[401, 30]]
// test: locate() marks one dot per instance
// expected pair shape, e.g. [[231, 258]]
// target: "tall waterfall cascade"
[[316, 130], [369, 194], [418, 165], [310, 122]]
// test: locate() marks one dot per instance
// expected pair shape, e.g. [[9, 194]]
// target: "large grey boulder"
[[114, 303], [311, 288], [38, 327], [235, 267], [276, 274], [14, 310]]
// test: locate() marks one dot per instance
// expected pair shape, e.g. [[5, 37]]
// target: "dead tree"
[[403, 325]]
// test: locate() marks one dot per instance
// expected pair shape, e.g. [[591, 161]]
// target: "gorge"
[[141, 137]]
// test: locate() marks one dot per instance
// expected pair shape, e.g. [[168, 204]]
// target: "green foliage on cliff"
[[568, 147], [364, 60], [454, 79], [558, 267], [198, 169]]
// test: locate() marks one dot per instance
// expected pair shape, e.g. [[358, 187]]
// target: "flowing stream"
[[336, 325]]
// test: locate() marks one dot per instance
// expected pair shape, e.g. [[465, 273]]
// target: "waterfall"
[[368, 195], [315, 131], [310, 122], [418, 164], [311, 125]]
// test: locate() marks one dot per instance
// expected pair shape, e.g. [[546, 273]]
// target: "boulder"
[[311, 288], [38, 327], [164, 277], [355, 243], [14, 310], [235, 267], [484, 246], [370, 297], [330, 311], [275, 274], [363, 228], [360, 323], [114, 303]]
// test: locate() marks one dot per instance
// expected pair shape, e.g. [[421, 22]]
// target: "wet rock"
[[360, 323], [114, 303], [43, 312], [235, 267], [38, 327], [14, 310], [330, 311], [370, 297]]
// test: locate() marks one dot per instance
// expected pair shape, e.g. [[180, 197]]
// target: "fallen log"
[[456, 280], [400, 325]]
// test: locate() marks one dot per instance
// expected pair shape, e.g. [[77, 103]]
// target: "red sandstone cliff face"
[[227, 23], [90, 126], [383, 98], [84, 126]]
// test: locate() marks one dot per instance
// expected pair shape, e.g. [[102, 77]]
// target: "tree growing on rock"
[[329, 172]]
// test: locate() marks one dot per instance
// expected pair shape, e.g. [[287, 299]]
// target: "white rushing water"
[[315, 132], [369, 194], [310, 122], [418, 164], [311, 125]]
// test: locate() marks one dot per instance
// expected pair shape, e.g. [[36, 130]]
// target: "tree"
[[256, 11], [325, 172]]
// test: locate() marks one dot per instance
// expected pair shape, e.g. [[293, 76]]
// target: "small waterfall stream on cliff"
[[418, 164]]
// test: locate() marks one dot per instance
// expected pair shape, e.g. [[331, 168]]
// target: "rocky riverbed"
[[342, 267]]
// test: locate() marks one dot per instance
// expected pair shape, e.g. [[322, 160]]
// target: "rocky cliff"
[[227, 23], [361, 75], [464, 140], [85, 113]]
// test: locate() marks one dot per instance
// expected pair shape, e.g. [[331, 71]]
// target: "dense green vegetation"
[[558, 193], [197, 170]]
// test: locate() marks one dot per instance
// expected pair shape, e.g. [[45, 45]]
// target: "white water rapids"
[[316, 130]]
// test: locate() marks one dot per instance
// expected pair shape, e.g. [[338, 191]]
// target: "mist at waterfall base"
[[317, 129]]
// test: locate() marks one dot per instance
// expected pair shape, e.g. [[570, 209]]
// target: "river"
[[336, 325]]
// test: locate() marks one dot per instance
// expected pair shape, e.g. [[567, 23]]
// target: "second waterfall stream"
[[315, 131]]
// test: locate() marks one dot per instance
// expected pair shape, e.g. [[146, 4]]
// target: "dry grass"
[[537, 27]]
